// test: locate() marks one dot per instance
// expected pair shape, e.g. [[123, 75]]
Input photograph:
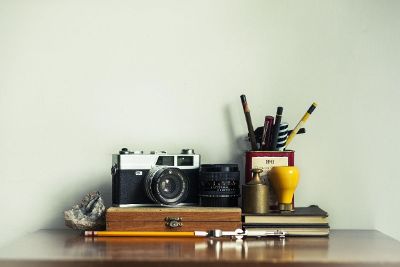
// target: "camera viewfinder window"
[[185, 160], [165, 161]]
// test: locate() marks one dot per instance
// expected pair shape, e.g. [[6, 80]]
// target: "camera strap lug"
[[173, 222], [114, 169]]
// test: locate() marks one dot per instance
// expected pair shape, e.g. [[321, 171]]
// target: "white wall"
[[81, 79]]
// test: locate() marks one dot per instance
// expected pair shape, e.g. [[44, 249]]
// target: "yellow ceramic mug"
[[284, 180]]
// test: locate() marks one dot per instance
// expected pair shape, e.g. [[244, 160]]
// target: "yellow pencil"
[[300, 124], [145, 234]]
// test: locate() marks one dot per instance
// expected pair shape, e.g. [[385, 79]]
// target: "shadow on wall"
[[238, 144]]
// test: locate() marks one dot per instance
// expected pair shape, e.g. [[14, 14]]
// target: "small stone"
[[87, 215]]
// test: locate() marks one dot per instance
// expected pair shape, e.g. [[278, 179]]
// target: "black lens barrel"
[[219, 185]]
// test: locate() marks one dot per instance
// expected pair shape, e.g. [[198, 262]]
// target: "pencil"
[[144, 234], [301, 123], [246, 110]]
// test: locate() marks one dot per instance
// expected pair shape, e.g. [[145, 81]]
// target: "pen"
[[301, 123], [275, 131], [259, 132], [266, 137], [246, 110], [301, 131]]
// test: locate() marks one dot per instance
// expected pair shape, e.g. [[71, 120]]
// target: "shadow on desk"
[[214, 249]]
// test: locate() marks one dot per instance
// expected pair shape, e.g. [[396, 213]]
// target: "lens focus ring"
[[167, 186]]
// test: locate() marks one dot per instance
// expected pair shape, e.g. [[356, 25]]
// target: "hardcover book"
[[301, 215]]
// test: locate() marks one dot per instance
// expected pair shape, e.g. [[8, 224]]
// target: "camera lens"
[[219, 185], [168, 186]]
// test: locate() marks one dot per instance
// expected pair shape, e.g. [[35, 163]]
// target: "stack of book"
[[303, 221]]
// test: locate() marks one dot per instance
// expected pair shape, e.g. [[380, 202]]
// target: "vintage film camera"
[[155, 179]]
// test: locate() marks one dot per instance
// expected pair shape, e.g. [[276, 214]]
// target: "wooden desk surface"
[[68, 248]]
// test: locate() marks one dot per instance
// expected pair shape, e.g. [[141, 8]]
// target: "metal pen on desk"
[[250, 128]]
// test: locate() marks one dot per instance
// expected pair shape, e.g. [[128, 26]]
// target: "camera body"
[[155, 179]]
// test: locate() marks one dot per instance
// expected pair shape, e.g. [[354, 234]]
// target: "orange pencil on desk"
[[145, 234]]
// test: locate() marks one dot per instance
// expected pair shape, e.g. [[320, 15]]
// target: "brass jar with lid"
[[255, 195]]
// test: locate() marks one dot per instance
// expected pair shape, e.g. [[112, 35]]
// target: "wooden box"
[[173, 219]]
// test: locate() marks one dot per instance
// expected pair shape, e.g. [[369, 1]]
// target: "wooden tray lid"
[[187, 214]]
